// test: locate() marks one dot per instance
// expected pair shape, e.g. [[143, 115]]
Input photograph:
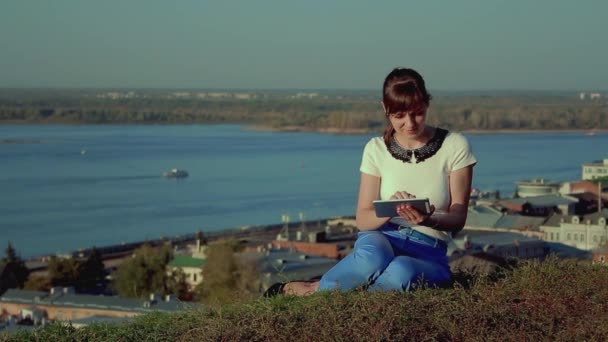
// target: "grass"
[[550, 300]]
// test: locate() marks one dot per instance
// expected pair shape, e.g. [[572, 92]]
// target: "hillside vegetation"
[[551, 300], [355, 111]]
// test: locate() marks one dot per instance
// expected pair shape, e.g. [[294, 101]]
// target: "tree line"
[[227, 278], [355, 112]]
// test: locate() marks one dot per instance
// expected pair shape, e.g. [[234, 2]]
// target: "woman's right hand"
[[402, 195]]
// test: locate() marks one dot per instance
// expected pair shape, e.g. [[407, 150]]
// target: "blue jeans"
[[390, 259]]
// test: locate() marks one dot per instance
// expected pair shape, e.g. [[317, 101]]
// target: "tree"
[[176, 284], [143, 274], [63, 272], [10, 254], [13, 272], [91, 272], [201, 237], [226, 279], [38, 283]]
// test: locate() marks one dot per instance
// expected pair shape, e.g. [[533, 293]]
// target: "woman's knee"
[[405, 272], [400, 274], [373, 251]]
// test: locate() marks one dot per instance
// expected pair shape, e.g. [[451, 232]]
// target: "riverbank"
[[333, 130], [328, 130]]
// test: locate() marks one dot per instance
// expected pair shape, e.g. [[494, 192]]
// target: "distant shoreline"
[[303, 129], [298, 129]]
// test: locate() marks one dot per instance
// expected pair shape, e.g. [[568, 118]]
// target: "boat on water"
[[176, 173]]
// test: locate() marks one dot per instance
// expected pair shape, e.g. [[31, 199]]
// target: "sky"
[[314, 44]]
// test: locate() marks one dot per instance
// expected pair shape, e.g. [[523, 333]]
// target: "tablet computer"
[[388, 208]]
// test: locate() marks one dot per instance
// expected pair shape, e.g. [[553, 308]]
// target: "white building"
[[595, 170], [536, 187], [191, 267], [583, 232]]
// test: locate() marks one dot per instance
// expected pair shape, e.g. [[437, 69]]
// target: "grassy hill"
[[549, 300]]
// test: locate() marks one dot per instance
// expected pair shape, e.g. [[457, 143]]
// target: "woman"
[[411, 160]]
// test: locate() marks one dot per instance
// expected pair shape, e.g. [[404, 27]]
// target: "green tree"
[[143, 274], [201, 237], [38, 283], [91, 271], [63, 272], [226, 278], [176, 284], [10, 254], [13, 271]]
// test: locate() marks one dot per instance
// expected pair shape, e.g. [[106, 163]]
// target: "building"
[[536, 187], [541, 205], [490, 219], [501, 244], [191, 267], [585, 232], [595, 170], [326, 250], [284, 265], [64, 305]]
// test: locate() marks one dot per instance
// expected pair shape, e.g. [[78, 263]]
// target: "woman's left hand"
[[412, 215]]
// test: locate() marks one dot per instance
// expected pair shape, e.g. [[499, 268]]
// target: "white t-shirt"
[[429, 178]]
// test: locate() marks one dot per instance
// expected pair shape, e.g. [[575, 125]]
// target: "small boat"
[[175, 173], [590, 133]]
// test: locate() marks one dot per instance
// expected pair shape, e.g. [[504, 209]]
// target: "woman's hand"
[[402, 195], [409, 213]]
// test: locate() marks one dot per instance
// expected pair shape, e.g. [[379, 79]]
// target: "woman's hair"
[[403, 91]]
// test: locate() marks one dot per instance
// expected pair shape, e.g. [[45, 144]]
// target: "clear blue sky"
[[351, 44]]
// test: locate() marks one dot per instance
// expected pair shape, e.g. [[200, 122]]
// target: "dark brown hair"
[[403, 90]]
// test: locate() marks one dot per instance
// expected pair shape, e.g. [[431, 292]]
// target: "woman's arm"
[[460, 193], [452, 221], [366, 214]]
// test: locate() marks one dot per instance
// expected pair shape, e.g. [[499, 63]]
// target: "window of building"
[[568, 236], [594, 238], [194, 277], [582, 237], [551, 237], [575, 237], [602, 259], [557, 236]]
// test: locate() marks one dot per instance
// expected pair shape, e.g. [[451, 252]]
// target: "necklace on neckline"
[[419, 154]]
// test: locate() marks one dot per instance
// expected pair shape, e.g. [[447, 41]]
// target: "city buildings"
[[595, 170], [584, 232], [63, 304]]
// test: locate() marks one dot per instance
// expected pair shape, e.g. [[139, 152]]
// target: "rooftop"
[[493, 238], [543, 201], [556, 219], [187, 261], [537, 181], [90, 301], [597, 163]]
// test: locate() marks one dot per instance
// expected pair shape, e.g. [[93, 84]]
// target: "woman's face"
[[409, 124]]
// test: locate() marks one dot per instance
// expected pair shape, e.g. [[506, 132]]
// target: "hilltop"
[[549, 300]]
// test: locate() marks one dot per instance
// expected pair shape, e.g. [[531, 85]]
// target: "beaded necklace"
[[419, 154]]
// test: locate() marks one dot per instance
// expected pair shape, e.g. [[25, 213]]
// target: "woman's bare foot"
[[300, 288]]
